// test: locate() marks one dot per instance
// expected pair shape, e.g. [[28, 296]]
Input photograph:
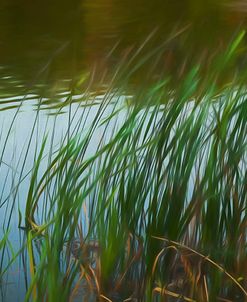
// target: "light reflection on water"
[[77, 118]]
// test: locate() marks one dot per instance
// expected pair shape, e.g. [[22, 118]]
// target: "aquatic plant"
[[158, 211]]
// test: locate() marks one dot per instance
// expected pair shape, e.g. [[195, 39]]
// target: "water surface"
[[49, 46]]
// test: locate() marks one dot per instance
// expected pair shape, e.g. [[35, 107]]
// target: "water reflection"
[[52, 43]]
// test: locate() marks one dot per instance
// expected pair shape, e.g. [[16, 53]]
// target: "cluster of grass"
[[157, 213]]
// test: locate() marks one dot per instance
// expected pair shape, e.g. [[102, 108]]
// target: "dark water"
[[50, 45]]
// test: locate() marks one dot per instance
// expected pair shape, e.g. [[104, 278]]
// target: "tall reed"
[[158, 211]]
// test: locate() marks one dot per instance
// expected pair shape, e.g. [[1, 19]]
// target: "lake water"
[[48, 46]]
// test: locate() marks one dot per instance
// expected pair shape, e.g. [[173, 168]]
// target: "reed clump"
[[158, 212]]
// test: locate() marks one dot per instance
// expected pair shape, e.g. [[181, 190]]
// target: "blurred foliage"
[[44, 42]]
